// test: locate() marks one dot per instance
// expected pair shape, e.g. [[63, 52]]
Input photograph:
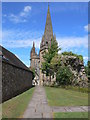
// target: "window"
[[47, 43]]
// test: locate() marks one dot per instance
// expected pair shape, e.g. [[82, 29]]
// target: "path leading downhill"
[[38, 106]]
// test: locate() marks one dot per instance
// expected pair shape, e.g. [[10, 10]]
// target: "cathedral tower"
[[34, 58], [46, 41]]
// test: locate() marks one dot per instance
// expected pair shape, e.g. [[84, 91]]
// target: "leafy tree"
[[48, 55], [56, 62], [64, 76]]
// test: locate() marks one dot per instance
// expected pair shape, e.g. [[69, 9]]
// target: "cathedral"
[[36, 60], [75, 65]]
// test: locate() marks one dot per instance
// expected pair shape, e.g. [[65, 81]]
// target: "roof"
[[9, 57], [48, 32]]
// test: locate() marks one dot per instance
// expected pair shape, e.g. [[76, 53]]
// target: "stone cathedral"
[[36, 60], [75, 65]]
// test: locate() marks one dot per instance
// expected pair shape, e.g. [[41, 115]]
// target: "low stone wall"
[[15, 80]]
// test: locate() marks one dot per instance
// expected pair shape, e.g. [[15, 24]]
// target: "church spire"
[[48, 33], [48, 26], [33, 44]]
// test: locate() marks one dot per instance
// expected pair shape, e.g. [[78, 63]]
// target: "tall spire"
[[48, 26], [48, 33], [33, 44]]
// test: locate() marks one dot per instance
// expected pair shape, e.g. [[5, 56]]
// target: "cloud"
[[64, 42], [25, 11], [85, 58], [21, 16], [16, 19], [72, 42], [22, 43], [22, 39], [4, 15], [27, 8], [87, 28]]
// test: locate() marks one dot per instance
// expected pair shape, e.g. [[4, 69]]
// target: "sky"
[[24, 22]]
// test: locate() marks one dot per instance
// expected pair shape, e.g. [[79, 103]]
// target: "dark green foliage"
[[64, 76], [48, 55], [72, 54]]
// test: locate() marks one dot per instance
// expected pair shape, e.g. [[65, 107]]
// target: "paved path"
[[71, 109], [38, 106]]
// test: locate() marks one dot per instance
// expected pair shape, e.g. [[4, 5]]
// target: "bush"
[[64, 76], [73, 54]]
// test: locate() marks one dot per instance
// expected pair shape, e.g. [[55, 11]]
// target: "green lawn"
[[15, 107], [71, 115], [62, 97]]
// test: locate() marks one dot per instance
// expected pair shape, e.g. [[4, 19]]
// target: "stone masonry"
[[76, 66], [15, 80]]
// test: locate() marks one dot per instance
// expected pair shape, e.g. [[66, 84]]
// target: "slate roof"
[[9, 57]]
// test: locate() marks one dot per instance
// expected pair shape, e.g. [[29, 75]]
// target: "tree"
[[56, 62], [48, 55], [64, 76]]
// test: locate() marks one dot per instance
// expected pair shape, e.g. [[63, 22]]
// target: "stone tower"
[[46, 41], [34, 57], [35, 60]]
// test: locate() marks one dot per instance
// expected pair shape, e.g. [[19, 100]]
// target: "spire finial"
[[48, 5], [33, 44]]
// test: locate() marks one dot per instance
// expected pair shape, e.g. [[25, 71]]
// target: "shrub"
[[64, 76], [73, 54]]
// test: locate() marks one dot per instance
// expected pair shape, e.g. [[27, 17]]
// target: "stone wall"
[[15, 80], [77, 68], [75, 65]]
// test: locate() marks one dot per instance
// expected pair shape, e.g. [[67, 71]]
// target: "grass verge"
[[71, 115], [79, 89], [63, 97], [15, 107]]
